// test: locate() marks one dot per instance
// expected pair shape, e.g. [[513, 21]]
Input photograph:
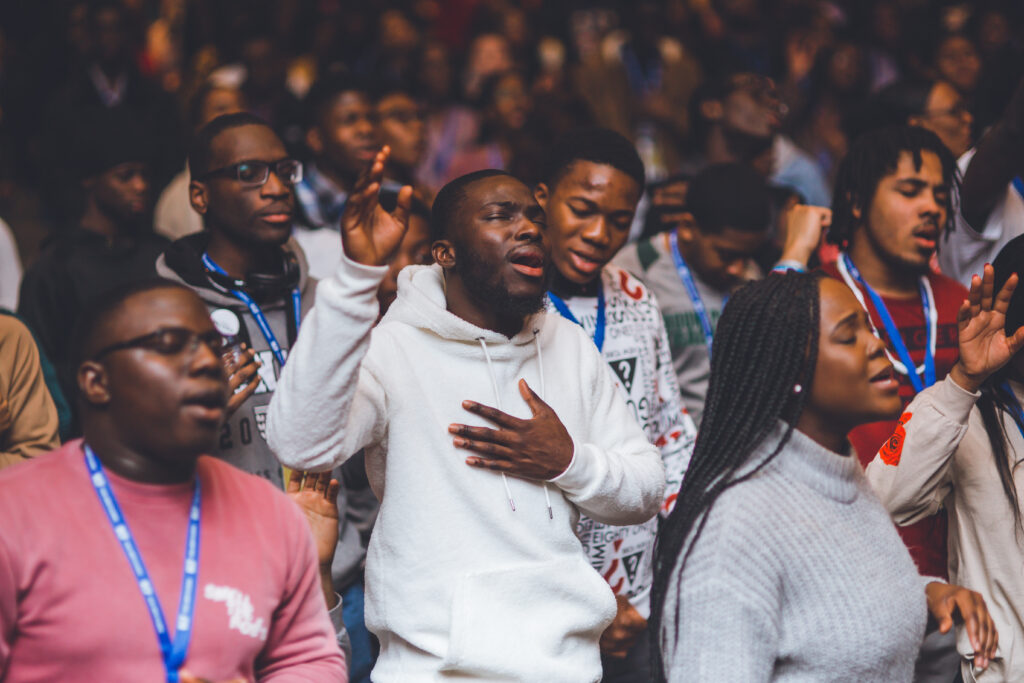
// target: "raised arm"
[[327, 405], [999, 158], [911, 472]]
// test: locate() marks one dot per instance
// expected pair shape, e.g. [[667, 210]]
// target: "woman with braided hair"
[[778, 562]]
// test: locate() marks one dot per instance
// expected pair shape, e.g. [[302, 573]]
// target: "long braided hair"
[[765, 344]]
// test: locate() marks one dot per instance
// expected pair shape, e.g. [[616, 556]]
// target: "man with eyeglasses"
[[111, 243], [135, 515], [251, 277]]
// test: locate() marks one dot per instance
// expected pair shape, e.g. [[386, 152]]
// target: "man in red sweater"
[[129, 555], [891, 206]]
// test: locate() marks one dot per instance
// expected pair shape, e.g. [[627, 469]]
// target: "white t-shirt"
[[10, 268], [966, 251]]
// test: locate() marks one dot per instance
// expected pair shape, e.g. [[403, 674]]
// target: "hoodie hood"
[[421, 303], [182, 262]]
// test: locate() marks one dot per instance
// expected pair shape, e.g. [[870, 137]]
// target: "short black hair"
[[200, 153], [596, 145], [98, 311], [893, 105], [327, 88], [392, 86], [449, 200], [730, 195], [871, 157]]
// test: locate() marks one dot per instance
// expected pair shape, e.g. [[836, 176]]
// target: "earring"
[[797, 388]]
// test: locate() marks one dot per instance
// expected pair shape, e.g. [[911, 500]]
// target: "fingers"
[[1002, 302], [493, 414], [321, 482], [294, 481], [374, 173], [537, 405], [332, 491], [403, 206], [987, 286], [974, 296], [1016, 342], [481, 434]]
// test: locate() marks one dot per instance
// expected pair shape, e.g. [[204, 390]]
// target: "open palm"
[[984, 346], [369, 234]]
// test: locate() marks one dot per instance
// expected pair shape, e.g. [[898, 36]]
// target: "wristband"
[[787, 265]]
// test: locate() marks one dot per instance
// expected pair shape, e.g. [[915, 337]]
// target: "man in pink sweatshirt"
[[130, 556]]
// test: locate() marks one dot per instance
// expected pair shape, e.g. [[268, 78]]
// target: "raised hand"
[[537, 448], [316, 494], [804, 225], [947, 603], [984, 346], [242, 371], [369, 234]]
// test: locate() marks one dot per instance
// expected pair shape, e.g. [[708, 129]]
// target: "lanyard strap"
[[905, 365], [691, 288], [564, 311], [173, 652], [257, 312], [1014, 406]]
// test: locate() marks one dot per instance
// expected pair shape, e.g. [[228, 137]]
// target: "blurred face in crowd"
[[108, 35], [854, 382], [165, 400], [264, 66], [946, 115], [589, 212], [753, 107], [488, 54], [907, 213], [510, 104], [498, 247], [220, 101], [435, 71], [244, 213], [958, 62], [721, 258], [345, 138], [121, 192], [414, 250], [400, 125]]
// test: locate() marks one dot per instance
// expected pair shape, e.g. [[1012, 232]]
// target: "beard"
[[491, 293]]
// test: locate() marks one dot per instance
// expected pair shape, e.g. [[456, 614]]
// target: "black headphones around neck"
[[262, 286]]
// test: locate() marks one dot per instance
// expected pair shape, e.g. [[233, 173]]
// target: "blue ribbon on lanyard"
[[564, 311], [691, 288], [1018, 184], [1014, 406], [257, 312], [894, 333], [173, 652]]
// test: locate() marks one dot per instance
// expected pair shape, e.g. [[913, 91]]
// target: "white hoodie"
[[459, 583]]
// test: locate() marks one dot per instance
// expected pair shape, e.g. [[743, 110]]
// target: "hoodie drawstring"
[[543, 395], [497, 401]]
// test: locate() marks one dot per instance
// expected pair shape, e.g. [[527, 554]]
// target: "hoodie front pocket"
[[533, 622]]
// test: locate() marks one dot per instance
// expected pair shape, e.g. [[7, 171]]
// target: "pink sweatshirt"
[[71, 610]]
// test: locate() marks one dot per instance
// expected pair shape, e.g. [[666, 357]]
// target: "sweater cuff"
[[358, 274], [570, 476], [953, 401]]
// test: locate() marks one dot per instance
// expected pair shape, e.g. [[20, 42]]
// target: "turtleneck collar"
[[805, 460]]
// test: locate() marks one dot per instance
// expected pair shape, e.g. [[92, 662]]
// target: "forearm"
[[312, 423], [911, 472], [999, 158]]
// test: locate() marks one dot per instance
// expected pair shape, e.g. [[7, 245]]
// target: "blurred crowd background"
[[457, 85]]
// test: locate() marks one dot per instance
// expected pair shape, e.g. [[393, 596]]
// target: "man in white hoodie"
[[470, 573]]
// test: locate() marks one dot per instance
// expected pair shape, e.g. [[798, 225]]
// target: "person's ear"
[[687, 228], [855, 208], [540, 193], [712, 110], [93, 383], [315, 141], [197, 197], [443, 252]]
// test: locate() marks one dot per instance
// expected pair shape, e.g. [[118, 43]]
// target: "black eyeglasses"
[[255, 173], [169, 341]]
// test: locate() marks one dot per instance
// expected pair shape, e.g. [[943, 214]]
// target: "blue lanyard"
[[1018, 184], [173, 652], [257, 312], [691, 288], [894, 333], [563, 309], [1014, 407]]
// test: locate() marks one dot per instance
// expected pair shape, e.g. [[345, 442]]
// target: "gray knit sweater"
[[799, 575]]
